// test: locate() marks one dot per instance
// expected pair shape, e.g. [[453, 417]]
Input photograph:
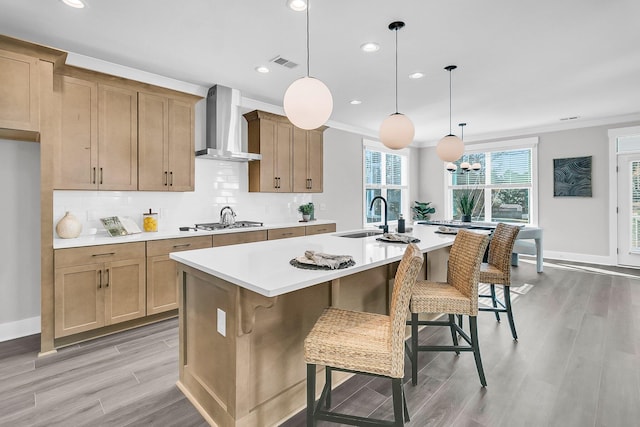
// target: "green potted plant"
[[466, 204], [305, 210], [422, 211]]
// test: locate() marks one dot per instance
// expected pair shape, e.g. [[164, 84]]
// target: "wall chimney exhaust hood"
[[223, 127]]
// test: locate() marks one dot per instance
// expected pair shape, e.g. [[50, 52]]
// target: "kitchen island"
[[245, 311]]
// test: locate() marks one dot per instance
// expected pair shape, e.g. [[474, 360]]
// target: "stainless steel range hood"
[[223, 127]]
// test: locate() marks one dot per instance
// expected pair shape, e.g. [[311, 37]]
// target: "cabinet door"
[[315, 168], [162, 288], [240, 237], [285, 233], [300, 161], [76, 151], [284, 155], [319, 229], [124, 287], [181, 146], [267, 167], [19, 106], [153, 142], [117, 138], [78, 299]]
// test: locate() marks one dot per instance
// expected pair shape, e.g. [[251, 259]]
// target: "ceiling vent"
[[284, 62]]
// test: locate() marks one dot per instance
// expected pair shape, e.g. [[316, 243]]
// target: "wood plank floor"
[[577, 364]]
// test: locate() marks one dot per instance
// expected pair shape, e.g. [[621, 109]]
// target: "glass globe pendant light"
[[308, 102], [397, 130], [450, 148]]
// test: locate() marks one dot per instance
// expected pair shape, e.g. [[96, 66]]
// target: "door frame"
[[614, 134]]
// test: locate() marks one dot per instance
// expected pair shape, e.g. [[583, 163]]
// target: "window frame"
[[487, 148], [405, 152]]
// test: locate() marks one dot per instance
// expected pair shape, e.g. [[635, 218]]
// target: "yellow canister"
[[150, 221]]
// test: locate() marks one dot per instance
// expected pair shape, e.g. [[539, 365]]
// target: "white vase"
[[69, 227]]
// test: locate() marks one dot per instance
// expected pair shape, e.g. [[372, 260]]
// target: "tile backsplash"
[[218, 184]]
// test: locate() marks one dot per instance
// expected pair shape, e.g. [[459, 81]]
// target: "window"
[[503, 190], [385, 175]]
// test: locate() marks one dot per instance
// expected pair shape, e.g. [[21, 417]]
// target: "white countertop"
[[102, 238], [263, 267]]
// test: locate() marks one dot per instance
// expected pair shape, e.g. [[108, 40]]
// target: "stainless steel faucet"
[[385, 227], [227, 216]]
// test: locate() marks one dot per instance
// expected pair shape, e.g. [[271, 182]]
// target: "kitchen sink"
[[361, 234]]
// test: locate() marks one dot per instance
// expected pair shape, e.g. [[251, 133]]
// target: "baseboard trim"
[[19, 328], [575, 257]]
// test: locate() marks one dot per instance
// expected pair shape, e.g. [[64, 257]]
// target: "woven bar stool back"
[[458, 296], [363, 343], [497, 271]]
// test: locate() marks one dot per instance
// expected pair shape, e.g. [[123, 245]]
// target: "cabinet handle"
[[310, 183], [99, 279], [93, 180], [185, 245], [171, 178], [101, 176], [287, 234], [278, 182], [166, 180], [105, 254], [106, 273]]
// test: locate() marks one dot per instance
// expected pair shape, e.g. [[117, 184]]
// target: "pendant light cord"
[[396, 31], [308, 68], [450, 133]]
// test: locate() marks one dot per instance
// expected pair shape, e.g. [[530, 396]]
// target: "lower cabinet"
[[238, 238], [320, 229], [162, 289], [98, 286], [285, 233]]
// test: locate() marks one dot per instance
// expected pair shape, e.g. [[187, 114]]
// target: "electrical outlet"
[[222, 323]]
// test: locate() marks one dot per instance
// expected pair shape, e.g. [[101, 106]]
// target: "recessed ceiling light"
[[355, 102], [416, 75], [370, 47], [78, 4], [262, 69], [297, 5]]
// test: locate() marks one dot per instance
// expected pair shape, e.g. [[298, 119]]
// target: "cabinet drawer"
[[285, 233], [97, 254], [237, 238], [320, 229], [163, 247]]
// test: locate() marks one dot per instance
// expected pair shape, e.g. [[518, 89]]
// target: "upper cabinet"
[[121, 135], [166, 143], [291, 157], [19, 107]]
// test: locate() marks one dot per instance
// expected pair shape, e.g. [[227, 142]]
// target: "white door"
[[629, 209]]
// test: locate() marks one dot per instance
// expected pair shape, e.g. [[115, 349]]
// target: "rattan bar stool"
[[363, 343], [497, 271], [458, 296]]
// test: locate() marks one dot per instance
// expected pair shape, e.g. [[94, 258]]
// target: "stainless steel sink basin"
[[361, 234]]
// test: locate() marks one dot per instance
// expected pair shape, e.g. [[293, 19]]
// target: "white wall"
[[20, 241], [575, 228]]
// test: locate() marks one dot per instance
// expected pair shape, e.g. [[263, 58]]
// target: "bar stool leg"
[[507, 301], [454, 335], [398, 410], [414, 348], [494, 302], [311, 394], [473, 326], [404, 403], [327, 372]]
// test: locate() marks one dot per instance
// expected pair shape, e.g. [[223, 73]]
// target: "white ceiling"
[[521, 65]]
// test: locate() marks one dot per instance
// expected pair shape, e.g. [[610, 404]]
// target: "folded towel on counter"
[[400, 238], [324, 260]]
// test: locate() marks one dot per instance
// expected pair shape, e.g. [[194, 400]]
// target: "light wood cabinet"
[[319, 229], [285, 233], [162, 289], [291, 157], [166, 143], [272, 137], [238, 238], [307, 160], [98, 147], [19, 92], [98, 286]]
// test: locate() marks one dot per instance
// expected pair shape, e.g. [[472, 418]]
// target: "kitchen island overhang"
[[245, 311]]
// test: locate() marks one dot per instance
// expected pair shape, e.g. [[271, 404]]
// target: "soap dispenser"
[[401, 224]]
